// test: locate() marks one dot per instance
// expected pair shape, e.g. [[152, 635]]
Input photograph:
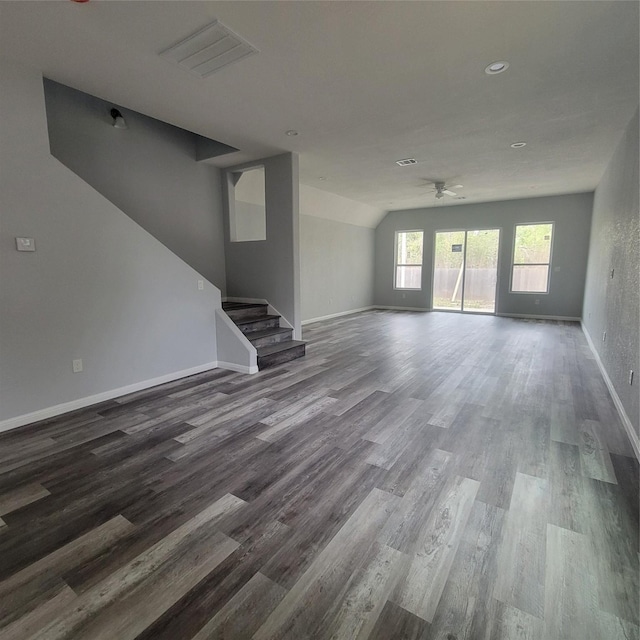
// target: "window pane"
[[409, 250], [408, 277], [533, 243], [530, 278], [448, 270], [481, 270]]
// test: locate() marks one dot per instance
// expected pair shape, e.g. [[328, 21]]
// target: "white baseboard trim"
[[533, 316], [81, 403], [283, 321], [633, 436], [336, 315], [240, 368], [394, 308]]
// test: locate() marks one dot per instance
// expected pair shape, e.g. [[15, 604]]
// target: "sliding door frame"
[[464, 270]]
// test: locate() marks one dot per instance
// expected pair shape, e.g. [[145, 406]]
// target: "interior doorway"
[[465, 273]]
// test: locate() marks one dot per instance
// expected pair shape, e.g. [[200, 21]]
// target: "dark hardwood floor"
[[415, 476]]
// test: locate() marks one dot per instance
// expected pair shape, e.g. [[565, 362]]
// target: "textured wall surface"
[[613, 304], [336, 266], [570, 213], [149, 171]]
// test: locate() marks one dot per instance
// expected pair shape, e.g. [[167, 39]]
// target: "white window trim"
[[533, 264], [395, 260]]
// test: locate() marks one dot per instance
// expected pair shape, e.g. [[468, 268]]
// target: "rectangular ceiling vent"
[[406, 162], [209, 50]]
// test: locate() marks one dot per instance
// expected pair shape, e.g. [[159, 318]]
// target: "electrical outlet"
[[630, 376], [536, 301], [200, 285], [77, 366], [612, 272], [604, 336]]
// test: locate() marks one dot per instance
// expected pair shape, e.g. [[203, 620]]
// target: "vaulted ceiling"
[[368, 83]]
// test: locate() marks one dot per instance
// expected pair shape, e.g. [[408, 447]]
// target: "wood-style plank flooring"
[[416, 476]]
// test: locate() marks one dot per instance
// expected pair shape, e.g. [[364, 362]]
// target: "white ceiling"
[[367, 83]]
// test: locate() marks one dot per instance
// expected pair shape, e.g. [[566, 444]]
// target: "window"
[[408, 260], [532, 258]]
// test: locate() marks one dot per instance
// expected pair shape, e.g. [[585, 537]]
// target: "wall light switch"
[[25, 244], [604, 336], [200, 285], [77, 366], [630, 376]]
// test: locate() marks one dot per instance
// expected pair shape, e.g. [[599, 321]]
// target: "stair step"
[[280, 352], [272, 342], [269, 336], [249, 326], [241, 310]]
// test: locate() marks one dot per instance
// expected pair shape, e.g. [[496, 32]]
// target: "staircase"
[[273, 342]]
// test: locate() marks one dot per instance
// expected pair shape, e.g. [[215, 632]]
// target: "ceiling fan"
[[442, 190]]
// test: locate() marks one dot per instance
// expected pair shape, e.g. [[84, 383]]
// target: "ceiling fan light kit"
[[443, 189]]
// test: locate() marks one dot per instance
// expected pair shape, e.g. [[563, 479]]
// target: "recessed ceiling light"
[[291, 132], [496, 67], [406, 162], [518, 145]]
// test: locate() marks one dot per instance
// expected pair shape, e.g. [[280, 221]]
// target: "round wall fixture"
[[496, 67], [518, 145]]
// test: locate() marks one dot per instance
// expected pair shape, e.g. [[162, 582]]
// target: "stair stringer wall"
[[235, 352], [99, 287]]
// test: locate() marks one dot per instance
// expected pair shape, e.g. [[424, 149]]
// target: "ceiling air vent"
[[406, 162], [209, 50]]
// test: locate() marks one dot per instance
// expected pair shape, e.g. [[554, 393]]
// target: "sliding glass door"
[[465, 273]]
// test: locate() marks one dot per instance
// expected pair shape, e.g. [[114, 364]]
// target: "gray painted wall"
[[99, 287], [336, 266], [270, 269], [250, 222], [613, 304], [572, 217], [149, 171]]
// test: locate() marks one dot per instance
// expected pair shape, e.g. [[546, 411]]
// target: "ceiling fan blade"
[[455, 186], [449, 193]]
